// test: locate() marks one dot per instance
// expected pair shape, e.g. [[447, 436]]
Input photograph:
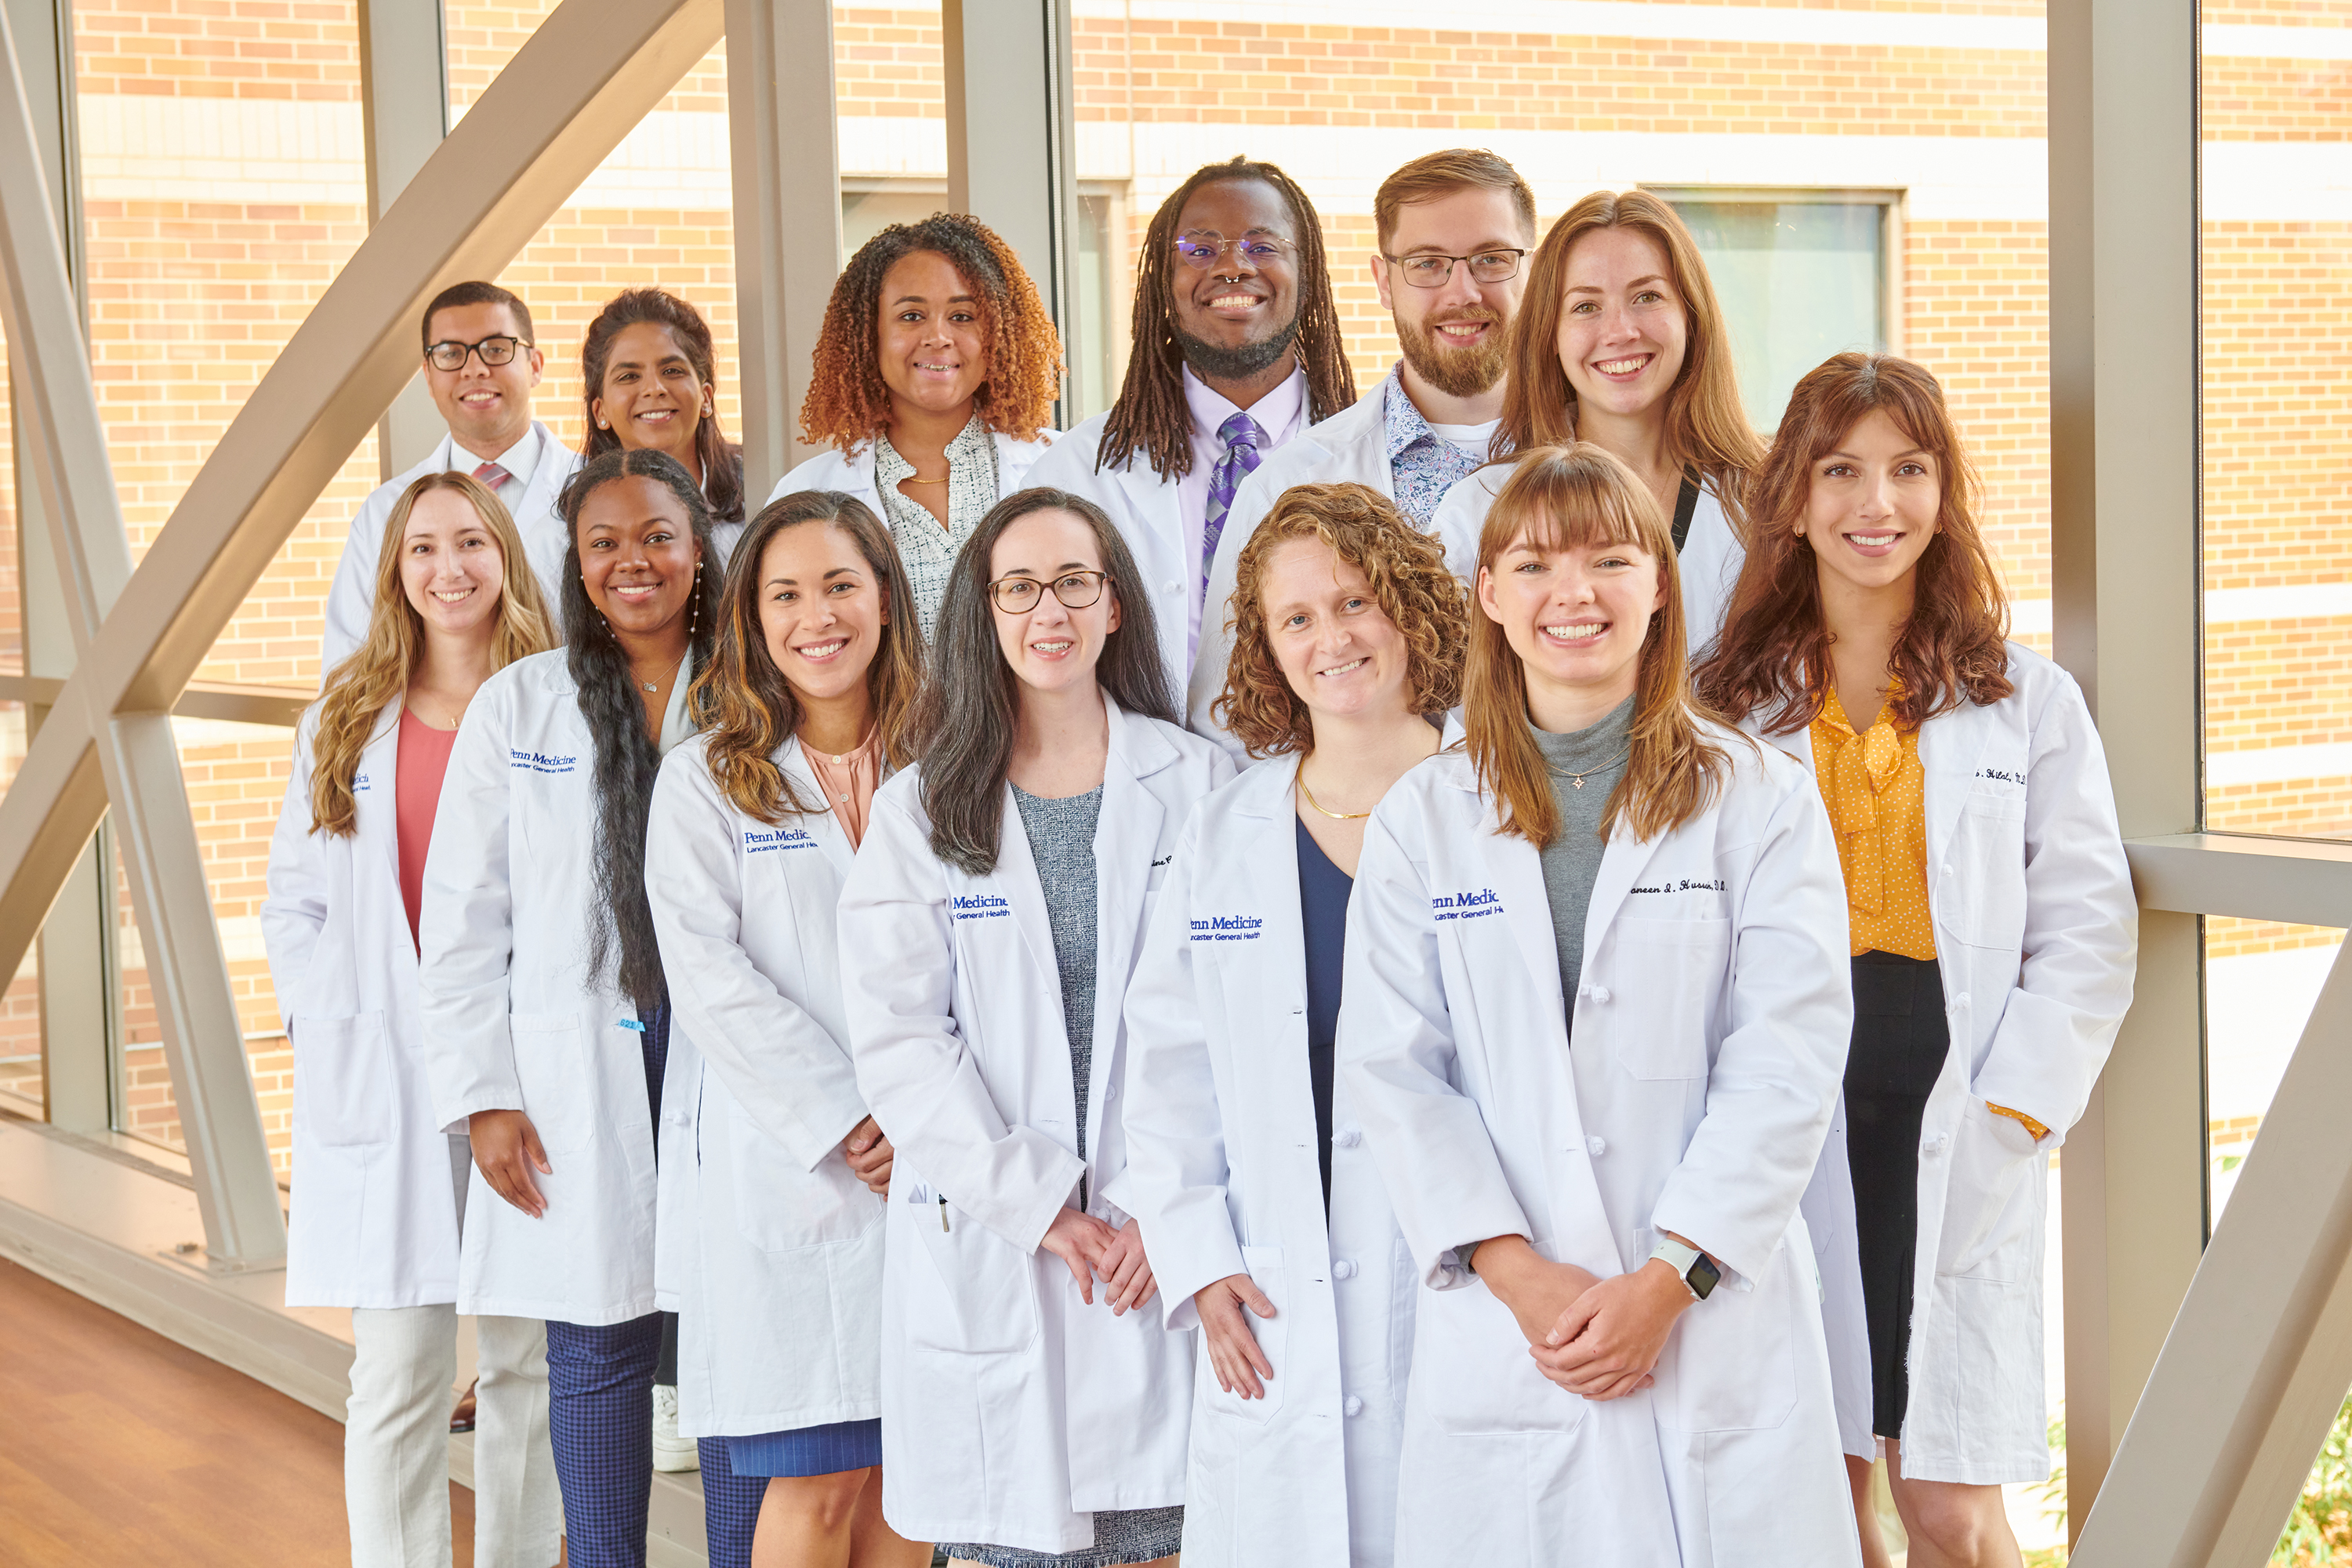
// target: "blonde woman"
[[1270, 1230], [1621, 342], [379, 1188], [1596, 1008]]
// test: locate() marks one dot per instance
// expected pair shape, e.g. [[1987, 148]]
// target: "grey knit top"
[[1572, 859], [1062, 842]]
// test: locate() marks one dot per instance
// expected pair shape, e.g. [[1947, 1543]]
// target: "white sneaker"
[[671, 1452]]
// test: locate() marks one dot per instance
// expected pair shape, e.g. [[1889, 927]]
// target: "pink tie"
[[493, 476]]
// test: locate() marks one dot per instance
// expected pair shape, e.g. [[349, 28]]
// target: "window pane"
[[2261, 982], [1799, 281]]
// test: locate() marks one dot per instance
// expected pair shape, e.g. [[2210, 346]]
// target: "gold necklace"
[[1576, 781], [1334, 816], [914, 480]]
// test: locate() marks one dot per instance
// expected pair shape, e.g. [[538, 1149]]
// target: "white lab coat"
[[1351, 447], [374, 1220], [1709, 1035], [1011, 1411], [1221, 1151], [513, 1020], [853, 473], [1708, 565], [351, 599], [2037, 935], [776, 1259]]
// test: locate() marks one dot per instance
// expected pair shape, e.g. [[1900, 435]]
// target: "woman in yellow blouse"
[[1992, 926]]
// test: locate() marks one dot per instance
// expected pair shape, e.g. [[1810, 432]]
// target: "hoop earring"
[[694, 612]]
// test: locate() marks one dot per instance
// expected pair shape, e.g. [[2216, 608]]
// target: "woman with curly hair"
[[652, 382], [935, 378], [1347, 647]]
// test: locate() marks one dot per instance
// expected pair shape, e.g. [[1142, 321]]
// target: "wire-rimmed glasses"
[[1076, 590], [1425, 269]]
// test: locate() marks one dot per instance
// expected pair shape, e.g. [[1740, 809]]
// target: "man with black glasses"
[[1454, 227], [480, 365]]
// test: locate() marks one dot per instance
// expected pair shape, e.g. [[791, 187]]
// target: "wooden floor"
[[118, 1446]]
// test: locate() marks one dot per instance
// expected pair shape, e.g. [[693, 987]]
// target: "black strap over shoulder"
[[1685, 505]]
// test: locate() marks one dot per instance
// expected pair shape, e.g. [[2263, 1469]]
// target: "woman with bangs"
[[935, 378], [1595, 1012], [1621, 342], [776, 1244], [380, 1186], [1247, 1156], [1993, 927]]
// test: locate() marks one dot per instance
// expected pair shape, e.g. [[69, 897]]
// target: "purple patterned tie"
[[1241, 435]]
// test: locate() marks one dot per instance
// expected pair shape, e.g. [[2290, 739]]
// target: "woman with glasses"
[[651, 380], [1030, 1412], [1622, 343], [934, 383]]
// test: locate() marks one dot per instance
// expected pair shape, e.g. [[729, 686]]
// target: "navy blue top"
[[1323, 891]]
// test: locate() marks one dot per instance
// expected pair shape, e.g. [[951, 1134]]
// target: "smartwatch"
[[1700, 1275]]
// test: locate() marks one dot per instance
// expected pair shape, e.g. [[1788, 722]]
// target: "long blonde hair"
[[1562, 498], [361, 686]]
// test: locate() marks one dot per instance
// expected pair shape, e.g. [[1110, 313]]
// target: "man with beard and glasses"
[[1454, 227], [1237, 349]]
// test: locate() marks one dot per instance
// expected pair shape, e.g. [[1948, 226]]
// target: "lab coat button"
[[1600, 993], [1348, 1137], [1947, 867], [1596, 1146], [1352, 1406], [1962, 1000], [1173, 585], [1936, 1143], [1344, 1270]]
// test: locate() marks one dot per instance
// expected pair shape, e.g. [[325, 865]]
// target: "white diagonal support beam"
[[590, 73], [2259, 1359]]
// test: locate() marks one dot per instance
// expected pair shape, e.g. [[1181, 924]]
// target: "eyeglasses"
[[497, 350], [1426, 271], [1076, 590], [1203, 251]]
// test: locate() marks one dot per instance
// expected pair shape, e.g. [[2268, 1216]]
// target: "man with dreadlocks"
[[1237, 349], [1452, 227]]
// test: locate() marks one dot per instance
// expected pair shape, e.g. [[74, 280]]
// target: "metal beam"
[[2124, 564], [225, 700], [786, 155], [1013, 144], [2293, 880], [404, 106]]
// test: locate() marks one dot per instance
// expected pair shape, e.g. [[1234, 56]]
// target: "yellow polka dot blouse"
[[1877, 795]]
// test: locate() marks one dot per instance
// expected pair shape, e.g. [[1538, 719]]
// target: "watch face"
[[1703, 1277]]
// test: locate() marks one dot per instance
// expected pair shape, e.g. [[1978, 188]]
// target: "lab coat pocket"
[[557, 1094], [1670, 971], [342, 1080], [1730, 1363], [1471, 1371], [979, 1295], [1991, 1204], [1987, 908], [780, 1207], [1265, 1267]]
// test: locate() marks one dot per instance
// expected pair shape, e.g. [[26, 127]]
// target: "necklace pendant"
[[651, 687], [1576, 781]]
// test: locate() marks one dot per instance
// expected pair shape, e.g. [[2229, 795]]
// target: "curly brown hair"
[[1406, 569], [847, 400]]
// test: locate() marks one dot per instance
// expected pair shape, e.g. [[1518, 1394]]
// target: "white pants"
[[396, 1441]]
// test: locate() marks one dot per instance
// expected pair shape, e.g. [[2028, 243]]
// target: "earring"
[[694, 615], [602, 425]]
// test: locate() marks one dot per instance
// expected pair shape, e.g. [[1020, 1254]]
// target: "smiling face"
[[637, 554], [1453, 336], [1870, 510], [1050, 647], [1576, 616], [932, 338], [1239, 316], [1333, 643], [1623, 327], [487, 406], [821, 610], [450, 565], [651, 396]]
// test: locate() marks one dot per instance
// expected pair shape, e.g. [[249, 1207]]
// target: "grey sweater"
[[1572, 859]]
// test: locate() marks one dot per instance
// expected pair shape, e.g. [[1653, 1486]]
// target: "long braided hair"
[[621, 926], [1150, 416]]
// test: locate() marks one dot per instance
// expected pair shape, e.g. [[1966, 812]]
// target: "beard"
[[1456, 372], [1214, 362]]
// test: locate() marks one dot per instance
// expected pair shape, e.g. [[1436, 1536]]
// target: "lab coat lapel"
[[1272, 867], [1515, 869], [1127, 841], [380, 761], [1015, 878], [1621, 864], [1951, 746]]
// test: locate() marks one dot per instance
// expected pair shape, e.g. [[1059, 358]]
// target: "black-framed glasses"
[[494, 350], [1203, 251], [1076, 590], [1425, 270]]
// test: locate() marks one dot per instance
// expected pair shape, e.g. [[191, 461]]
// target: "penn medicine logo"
[[979, 907], [1466, 906], [1228, 928], [758, 843]]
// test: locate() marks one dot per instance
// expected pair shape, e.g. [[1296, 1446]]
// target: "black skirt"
[[1900, 1040]]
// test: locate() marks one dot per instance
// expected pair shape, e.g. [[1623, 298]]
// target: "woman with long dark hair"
[[1594, 1011], [650, 373], [775, 1241], [1992, 929], [547, 1017], [1030, 1412]]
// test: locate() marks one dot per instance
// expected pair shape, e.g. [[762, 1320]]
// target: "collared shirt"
[[1426, 460], [926, 550], [519, 460], [1281, 414], [849, 781]]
